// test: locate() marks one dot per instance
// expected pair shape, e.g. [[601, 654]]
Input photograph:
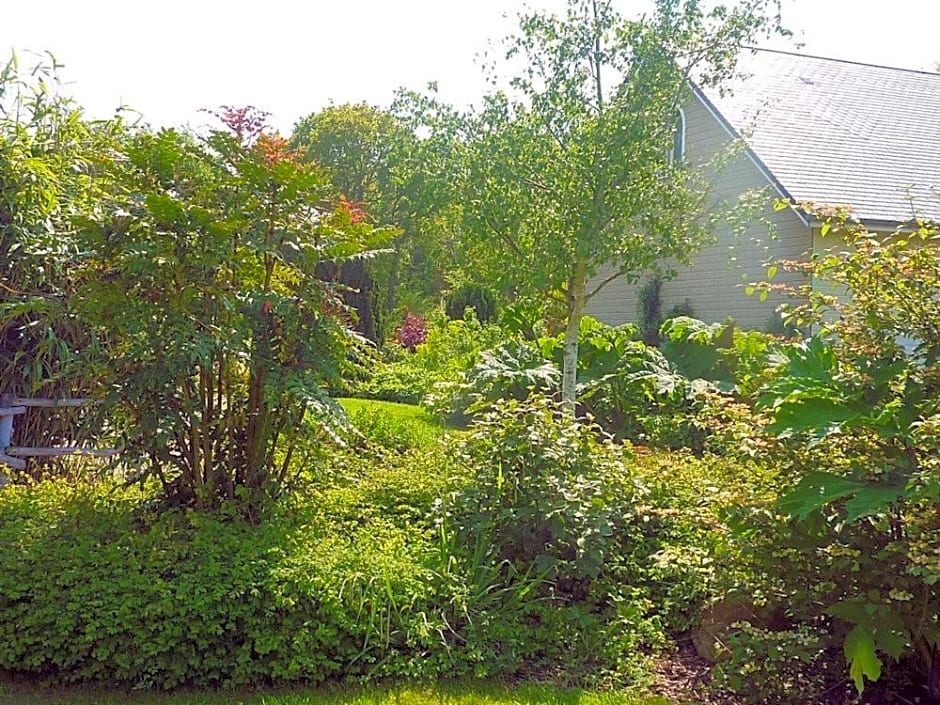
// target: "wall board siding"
[[715, 283]]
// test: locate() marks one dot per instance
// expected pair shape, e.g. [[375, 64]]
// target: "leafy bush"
[[535, 546], [451, 348], [412, 332], [474, 296], [792, 666], [542, 489], [684, 308], [646, 399], [554, 502], [693, 347], [210, 245], [855, 415], [509, 371], [350, 582], [47, 153], [733, 359], [105, 593]]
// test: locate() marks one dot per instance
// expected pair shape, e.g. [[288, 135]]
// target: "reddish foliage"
[[413, 331], [247, 122], [356, 209], [274, 149]]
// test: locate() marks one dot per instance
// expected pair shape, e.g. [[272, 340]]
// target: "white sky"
[[168, 59]]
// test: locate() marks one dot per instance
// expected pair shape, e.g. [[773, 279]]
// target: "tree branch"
[[505, 238], [590, 295]]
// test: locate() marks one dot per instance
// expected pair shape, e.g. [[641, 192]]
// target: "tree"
[[214, 337], [373, 157], [569, 168]]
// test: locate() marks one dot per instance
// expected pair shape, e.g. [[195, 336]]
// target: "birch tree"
[[569, 167]]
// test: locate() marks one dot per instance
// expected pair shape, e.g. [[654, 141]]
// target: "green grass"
[[394, 425], [450, 694]]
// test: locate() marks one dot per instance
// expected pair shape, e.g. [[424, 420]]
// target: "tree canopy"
[[569, 167]]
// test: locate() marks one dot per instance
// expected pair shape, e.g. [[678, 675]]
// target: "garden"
[[364, 461]]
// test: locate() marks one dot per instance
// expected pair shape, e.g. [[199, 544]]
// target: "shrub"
[[412, 332], [735, 360], [645, 399], [855, 413], [451, 348], [600, 347], [509, 371], [769, 666], [212, 245], [344, 581], [414, 563], [543, 489], [473, 296], [554, 501], [685, 308]]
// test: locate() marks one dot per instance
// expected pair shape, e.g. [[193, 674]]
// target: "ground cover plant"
[[399, 559]]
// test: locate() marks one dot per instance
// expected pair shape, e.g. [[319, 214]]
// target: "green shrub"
[[852, 419], [684, 308], [769, 666], [512, 370], [543, 489], [536, 546], [683, 394], [646, 400], [473, 296], [451, 348], [96, 588], [600, 347], [554, 502]]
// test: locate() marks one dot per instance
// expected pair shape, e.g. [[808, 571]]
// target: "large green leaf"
[[860, 655], [693, 347], [816, 490], [819, 416], [872, 499]]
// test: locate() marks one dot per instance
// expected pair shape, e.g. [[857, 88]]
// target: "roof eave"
[[878, 225]]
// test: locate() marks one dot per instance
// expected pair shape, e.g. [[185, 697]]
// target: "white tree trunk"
[[576, 301]]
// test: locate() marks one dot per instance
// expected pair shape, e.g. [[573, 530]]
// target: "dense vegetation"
[[295, 503]]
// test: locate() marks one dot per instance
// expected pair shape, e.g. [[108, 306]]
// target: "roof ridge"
[[841, 61]]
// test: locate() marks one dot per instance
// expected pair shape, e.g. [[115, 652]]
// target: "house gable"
[[715, 284]]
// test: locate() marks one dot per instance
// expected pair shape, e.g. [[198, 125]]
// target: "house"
[[816, 130]]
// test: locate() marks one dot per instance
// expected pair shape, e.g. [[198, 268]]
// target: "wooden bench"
[[14, 456]]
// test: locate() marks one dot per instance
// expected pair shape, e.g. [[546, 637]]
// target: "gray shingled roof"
[[841, 133]]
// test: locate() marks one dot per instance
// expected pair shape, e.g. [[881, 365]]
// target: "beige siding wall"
[[715, 283]]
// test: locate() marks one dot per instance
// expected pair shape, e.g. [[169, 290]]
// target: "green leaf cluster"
[[850, 406]]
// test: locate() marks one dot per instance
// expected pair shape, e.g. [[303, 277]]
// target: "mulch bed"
[[684, 678]]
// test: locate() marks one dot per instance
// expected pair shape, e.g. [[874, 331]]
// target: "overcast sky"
[[168, 59]]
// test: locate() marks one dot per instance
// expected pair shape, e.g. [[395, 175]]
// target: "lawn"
[[397, 425], [452, 694]]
